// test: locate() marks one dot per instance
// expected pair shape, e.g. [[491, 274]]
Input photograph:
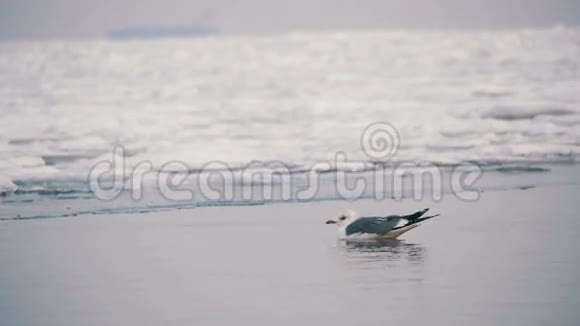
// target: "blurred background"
[[491, 82]]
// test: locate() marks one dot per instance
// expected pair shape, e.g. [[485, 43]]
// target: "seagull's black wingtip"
[[425, 218], [416, 216], [418, 220]]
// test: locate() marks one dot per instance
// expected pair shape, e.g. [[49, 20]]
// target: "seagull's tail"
[[416, 220]]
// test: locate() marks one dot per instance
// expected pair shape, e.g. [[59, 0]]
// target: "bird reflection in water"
[[383, 266], [390, 250]]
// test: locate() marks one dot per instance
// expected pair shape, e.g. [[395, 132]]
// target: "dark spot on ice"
[[527, 187], [522, 169], [512, 113]]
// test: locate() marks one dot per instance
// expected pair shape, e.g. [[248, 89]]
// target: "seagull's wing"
[[373, 225]]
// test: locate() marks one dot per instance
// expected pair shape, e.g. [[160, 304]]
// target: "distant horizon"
[[86, 19], [219, 33]]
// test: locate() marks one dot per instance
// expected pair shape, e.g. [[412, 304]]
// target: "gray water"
[[511, 259]]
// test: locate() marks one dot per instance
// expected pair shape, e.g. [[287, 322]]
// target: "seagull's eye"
[[342, 218]]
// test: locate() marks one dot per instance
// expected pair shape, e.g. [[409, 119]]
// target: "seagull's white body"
[[371, 236]]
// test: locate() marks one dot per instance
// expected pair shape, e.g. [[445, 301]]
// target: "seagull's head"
[[343, 219]]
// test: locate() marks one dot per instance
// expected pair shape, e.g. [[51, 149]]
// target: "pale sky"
[[94, 18]]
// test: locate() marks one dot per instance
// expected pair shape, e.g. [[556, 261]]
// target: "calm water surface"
[[509, 259]]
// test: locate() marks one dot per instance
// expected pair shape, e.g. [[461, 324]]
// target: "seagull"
[[351, 227]]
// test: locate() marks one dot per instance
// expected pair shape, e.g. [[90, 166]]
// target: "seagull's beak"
[[330, 222]]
